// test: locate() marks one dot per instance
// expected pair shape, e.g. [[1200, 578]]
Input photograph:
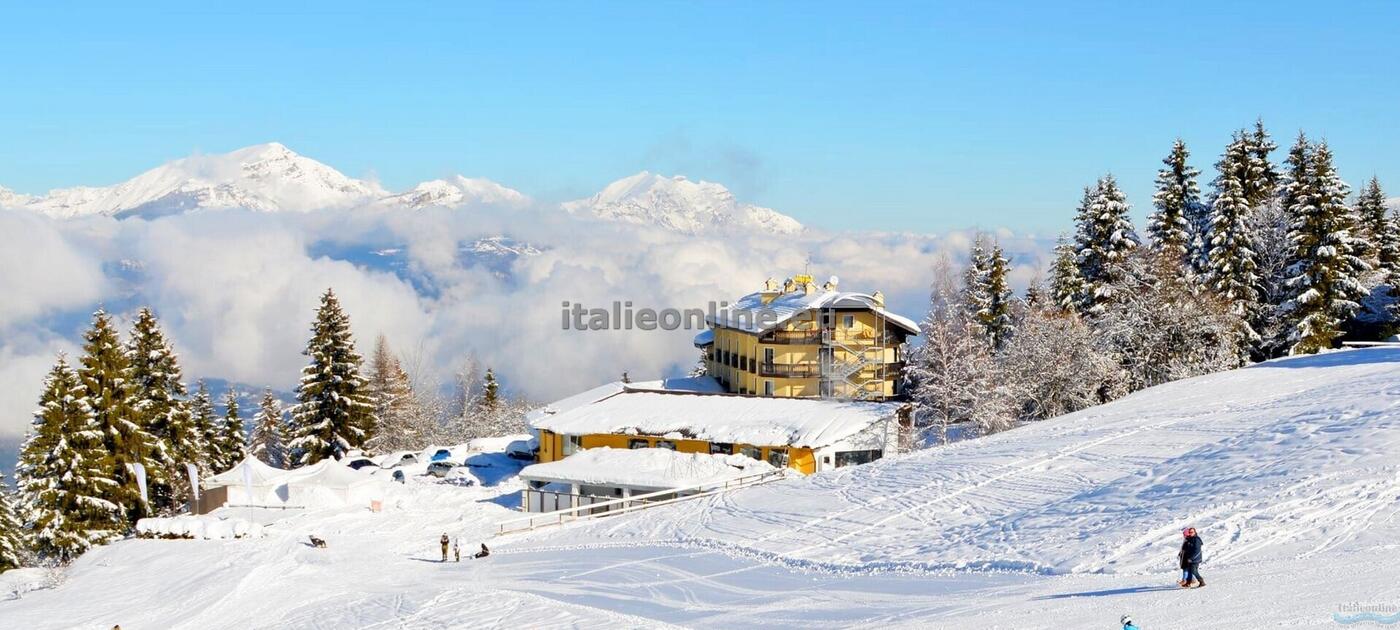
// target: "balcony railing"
[[790, 370], [796, 337]]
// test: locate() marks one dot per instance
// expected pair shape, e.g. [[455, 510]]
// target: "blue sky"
[[916, 116]]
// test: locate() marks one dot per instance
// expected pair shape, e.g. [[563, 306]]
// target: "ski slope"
[[1290, 469]]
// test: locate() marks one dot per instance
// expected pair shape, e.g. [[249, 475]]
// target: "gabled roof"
[[750, 314], [728, 418], [693, 384]]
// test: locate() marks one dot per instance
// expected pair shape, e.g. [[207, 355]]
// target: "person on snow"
[[483, 553], [1127, 622], [456, 552], [1190, 557], [445, 542]]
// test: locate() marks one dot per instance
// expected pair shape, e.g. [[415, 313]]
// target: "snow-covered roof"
[[703, 384], [263, 474], [705, 338], [644, 468], [801, 422], [750, 314], [327, 473]]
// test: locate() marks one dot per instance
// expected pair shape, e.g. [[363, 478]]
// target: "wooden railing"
[[625, 505]]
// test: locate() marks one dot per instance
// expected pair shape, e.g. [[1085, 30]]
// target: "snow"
[[1287, 468], [201, 527], [676, 203], [698, 384], [656, 468], [457, 191], [806, 423], [750, 314]]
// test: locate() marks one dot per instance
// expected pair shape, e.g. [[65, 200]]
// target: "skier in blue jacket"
[[1127, 623], [1190, 557]]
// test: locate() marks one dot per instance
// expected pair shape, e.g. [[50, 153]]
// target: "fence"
[[613, 507]]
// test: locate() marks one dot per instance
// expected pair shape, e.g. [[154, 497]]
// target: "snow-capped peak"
[[12, 199], [457, 191], [264, 177], [680, 204]]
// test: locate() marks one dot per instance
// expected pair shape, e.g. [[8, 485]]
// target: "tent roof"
[[263, 475]]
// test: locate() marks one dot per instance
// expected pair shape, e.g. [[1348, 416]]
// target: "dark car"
[[440, 469]]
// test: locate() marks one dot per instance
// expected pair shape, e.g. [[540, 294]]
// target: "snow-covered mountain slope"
[[457, 191], [1290, 469], [679, 204], [266, 177]]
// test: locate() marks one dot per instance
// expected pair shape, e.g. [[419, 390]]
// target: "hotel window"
[[667, 444], [849, 321], [721, 448], [855, 458], [750, 452], [778, 457], [768, 388], [768, 356], [638, 443], [572, 443]]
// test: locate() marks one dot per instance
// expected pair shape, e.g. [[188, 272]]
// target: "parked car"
[[461, 476], [401, 458], [440, 469], [356, 463], [441, 454]]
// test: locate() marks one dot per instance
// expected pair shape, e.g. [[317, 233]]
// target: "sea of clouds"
[[236, 290]]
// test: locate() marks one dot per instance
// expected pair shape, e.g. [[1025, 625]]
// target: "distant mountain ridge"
[[273, 178]]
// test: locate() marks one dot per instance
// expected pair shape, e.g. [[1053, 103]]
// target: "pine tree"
[[202, 418], [106, 378], [973, 297], [1232, 264], [1104, 237], [333, 408], [1177, 201], [64, 472], [1326, 280], [159, 407], [14, 539], [490, 392], [1066, 286], [1378, 232], [266, 442], [232, 439]]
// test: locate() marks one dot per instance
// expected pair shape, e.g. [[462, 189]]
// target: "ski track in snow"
[[1289, 469]]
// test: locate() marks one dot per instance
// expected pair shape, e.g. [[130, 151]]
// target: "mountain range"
[[273, 178]]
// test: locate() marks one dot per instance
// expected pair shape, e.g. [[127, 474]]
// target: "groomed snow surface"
[[1290, 469]]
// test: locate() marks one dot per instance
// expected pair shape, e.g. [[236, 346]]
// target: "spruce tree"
[[993, 300], [1104, 237], [159, 407], [973, 296], [202, 417], [1066, 286], [232, 438], [1232, 266], [64, 472], [333, 408], [1260, 178], [106, 376], [1326, 279], [14, 539], [490, 392], [1176, 200], [1378, 232], [266, 442]]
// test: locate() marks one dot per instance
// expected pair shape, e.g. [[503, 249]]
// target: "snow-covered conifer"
[[64, 472], [1104, 236], [1176, 200], [266, 442], [14, 538], [202, 417], [1260, 179], [1380, 233], [106, 376], [333, 410], [232, 438], [158, 403], [401, 425], [1326, 279], [1066, 286], [1232, 260], [491, 391]]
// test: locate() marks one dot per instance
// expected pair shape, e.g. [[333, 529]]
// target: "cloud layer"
[[236, 290]]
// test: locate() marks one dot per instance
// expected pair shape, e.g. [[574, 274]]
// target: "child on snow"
[[456, 552], [1127, 622], [1190, 557]]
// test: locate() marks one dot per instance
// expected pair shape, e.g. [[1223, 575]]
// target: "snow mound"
[[202, 527], [645, 468]]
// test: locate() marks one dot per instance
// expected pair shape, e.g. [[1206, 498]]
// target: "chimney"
[[831, 284], [789, 285], [878, 298], [770, 291]]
